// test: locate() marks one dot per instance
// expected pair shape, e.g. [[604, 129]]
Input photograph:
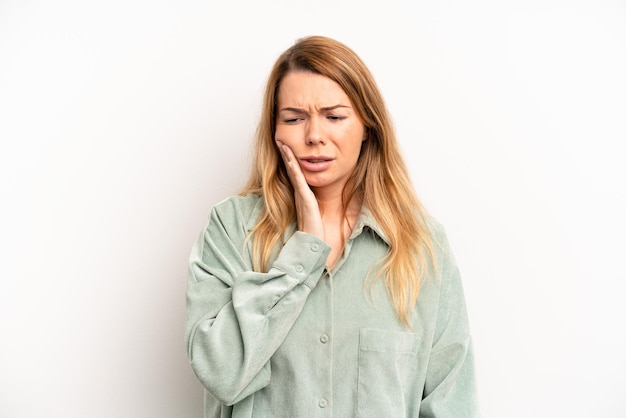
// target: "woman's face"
[[316, 119]]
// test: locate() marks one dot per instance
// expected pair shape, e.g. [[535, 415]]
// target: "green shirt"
[[303, 341]]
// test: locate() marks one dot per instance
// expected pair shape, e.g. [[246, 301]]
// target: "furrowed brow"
[[337, 106], [323, 109], [291, 109]]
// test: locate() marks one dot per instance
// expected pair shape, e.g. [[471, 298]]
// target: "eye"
[[335, 117], [292, 120]]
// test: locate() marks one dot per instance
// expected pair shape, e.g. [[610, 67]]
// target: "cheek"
[[278, 132], [285, 134], [357, 153], [356, 143]]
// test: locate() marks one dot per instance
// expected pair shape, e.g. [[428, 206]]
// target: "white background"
[[123, 122]]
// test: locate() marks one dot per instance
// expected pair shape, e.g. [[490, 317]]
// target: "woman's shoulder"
[[239, 208], [436, 230], [438, 236], [245, 202]]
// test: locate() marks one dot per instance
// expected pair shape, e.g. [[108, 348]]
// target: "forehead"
[[306, 89]]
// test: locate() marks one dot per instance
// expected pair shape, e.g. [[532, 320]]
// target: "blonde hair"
[[380, 179]]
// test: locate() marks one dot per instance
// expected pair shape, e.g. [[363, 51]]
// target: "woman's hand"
[[307, 209]]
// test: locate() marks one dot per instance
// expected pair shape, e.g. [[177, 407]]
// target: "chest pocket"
[[387, 362]]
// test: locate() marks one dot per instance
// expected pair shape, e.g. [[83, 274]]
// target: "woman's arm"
[[237, 318], [450, 388]]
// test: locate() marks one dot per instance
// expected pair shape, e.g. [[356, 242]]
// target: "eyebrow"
[[323, 109]]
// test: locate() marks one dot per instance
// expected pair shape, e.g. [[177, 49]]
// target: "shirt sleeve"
[[450, 388], [237, 318]]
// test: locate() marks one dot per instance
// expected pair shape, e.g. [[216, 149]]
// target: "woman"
[[324, 289]]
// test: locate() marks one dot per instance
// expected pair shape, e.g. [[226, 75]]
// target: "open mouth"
[[315, 163]]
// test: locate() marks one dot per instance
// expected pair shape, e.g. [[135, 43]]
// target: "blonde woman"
[[324, 289]]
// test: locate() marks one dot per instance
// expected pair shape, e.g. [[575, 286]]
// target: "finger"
[[285, 152], [291, 162]]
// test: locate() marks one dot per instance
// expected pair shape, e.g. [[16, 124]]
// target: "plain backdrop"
[[123, 122]]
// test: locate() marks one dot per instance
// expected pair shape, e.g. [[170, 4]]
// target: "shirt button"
[[299, 268], [324, 338], [323, 403], [315, 247]]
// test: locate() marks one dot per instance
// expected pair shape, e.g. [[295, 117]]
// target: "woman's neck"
[[338, 221], [334, 210]]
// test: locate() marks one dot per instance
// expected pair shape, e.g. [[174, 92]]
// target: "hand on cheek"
[[307, 209]]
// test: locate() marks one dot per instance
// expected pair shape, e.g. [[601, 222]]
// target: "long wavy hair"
[[380, 179]]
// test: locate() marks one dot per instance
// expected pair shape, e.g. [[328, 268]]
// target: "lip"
[[315, 162]]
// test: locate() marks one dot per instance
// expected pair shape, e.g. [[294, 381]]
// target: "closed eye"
[[292, 120]]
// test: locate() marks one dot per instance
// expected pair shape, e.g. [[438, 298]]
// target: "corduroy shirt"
[[304, 341]]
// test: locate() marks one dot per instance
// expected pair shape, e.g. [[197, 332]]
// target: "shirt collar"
[[365, 220]]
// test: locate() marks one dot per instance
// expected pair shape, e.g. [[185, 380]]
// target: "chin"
[[314, 181], [319, 182], [316, 184]]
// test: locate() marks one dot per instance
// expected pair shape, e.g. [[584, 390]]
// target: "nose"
[[314, 134]]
